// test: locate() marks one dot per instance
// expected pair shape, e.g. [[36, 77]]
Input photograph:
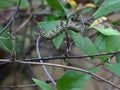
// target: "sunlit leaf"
[[91, 5], [42, 84], [98, 21]]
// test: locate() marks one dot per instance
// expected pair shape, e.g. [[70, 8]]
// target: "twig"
[[67, 67], [69, 57], [12, 18], [41, 61], [24, 23], [73, 68], [67, 44], [19, 86]]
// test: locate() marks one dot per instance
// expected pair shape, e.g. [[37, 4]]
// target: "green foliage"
[[107, 40], [58, 40], [107, 7], [5, 4], [106, 31], [84, 44], [50, 25], [42, 84], [118, 58], [107, 43], [5, 41], [74, 80], [8, 3], [71, 80], [55, 4], [114, 67]]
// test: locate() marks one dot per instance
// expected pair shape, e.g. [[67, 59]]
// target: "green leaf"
[[42, 84], [114, 67], [5, 4], [58, 40], [49, 25], [8, 3], [73, 80], [118, 58], [84, 44], [107, 43], [96, 1], [107, 7], [5, 42], [112, 43], [100, 43], [106, 31], [55, 4]]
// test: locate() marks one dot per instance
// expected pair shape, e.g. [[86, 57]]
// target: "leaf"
[[5, 42], [100, 43], [8, 3], [96, 1], [106, 31], [107, 7], [5, 4], [112, 43], [98, 21], [107, 44], [49, 25], [73, 80], [42, 84], [84, 44], [24, 3], [118, 58], [58, 40], [114, 67], [55, 4]]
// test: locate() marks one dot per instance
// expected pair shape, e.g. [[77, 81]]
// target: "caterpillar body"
[[65, 25]]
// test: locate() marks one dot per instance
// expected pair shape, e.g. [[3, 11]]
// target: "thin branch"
[[12, 18], [67, 44], [73, 68], [67, 67], [70, 57], [41, 61], [19, 86], [25, 22]]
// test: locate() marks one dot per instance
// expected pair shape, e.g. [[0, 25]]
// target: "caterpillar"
[[64, 25]]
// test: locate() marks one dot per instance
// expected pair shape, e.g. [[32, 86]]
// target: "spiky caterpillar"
[[65, 25]]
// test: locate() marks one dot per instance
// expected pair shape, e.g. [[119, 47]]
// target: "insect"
[[64, 25]]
